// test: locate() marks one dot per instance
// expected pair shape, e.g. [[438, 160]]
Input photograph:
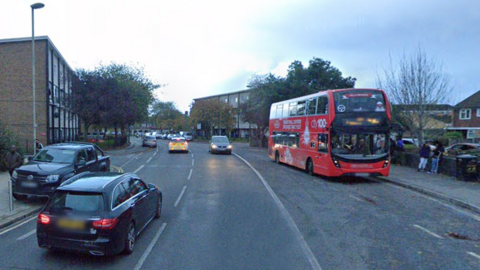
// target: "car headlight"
[[229, 147], [214, 146], [52, 178], [14, 174]]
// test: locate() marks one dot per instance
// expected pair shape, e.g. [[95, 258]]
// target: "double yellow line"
[[116, 169]]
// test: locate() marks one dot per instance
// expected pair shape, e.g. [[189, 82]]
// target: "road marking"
[[26, 235], [180, 196], [306, 249], [429, 232], [120, 170], [135, 157], [138, 169], [150, 247], [453, 207], [191, 153], [149, 160], [356, 198], [16, 226], [190, 174], [474, 255], [193, 161]]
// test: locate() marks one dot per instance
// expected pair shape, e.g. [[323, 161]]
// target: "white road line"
[[356, 198], [180, 196], [191, 153], [429, 232], [455, 208], [26, 235], [190, 174], [150, 247], [138, 169], [306, 249], [135, 157], [193, 161], [474, 255], [16, 226], [149, 160]]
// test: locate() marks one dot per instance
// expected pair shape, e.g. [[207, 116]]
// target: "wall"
[[16, 89]]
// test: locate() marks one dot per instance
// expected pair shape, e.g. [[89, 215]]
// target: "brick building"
[[56, 120], [466, 117]]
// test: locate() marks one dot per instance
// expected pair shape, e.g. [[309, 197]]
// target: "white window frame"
[[478, 112], [467, 116]]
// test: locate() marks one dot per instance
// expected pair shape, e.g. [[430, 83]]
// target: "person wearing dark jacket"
[[13, 160], [424, 155], [437, 155]]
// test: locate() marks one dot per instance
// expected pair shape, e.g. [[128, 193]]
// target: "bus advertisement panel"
[[333, 132]]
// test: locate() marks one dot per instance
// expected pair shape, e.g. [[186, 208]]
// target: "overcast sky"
[[203, 47]]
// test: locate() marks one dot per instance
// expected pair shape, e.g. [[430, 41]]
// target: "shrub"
[[7, 138]]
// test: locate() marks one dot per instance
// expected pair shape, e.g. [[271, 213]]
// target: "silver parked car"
[[220, 144], [150, 141]]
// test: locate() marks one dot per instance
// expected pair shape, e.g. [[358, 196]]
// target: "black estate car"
[[98, 213]]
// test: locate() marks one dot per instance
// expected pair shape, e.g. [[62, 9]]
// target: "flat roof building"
[[235, 99], [55, 117]]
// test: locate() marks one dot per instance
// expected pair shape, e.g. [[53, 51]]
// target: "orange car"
[[178, 144]]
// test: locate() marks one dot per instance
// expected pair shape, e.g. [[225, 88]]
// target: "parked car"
[[220, 144], [410, 141], [158, 136], [460, 147], [53, 165], [150, 141], [98, 213], [178, 144], [187, 135]]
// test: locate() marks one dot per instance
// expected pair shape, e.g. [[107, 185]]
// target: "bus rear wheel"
[[277, 157], [309, 167]]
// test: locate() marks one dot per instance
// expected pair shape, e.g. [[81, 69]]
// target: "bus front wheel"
[[309, 167], [277, 157]]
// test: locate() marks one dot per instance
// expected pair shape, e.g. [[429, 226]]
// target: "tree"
[[211, 114], [167, 116], [415, 82], [112, 95]]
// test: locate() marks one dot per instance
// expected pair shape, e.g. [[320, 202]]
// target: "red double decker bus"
[[333, 133]]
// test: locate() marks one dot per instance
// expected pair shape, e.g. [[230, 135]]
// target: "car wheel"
[[158, 213], [19, 197], [130, 240], [309, 167], [277, 157]]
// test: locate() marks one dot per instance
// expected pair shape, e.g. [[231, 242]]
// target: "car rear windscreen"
[[74, 201], [179, 140]]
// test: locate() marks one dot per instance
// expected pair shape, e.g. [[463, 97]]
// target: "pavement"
[[446, 188]]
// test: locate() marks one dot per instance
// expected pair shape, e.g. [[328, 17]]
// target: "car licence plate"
[[71, 224], [29, 184]]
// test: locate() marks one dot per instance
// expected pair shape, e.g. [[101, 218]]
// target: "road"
[[219, 213]]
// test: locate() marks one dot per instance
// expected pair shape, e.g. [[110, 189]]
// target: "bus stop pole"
[[10, 199]]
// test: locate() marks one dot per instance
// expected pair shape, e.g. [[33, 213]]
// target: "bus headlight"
[[385, 164], [335, 162]]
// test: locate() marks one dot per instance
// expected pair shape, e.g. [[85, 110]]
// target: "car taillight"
[[43, 219], [106, 223], [154, 140]]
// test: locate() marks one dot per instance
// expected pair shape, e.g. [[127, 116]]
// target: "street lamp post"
[[34, 6]]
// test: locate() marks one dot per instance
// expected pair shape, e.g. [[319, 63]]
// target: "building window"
[[465, 114], [478, 112]]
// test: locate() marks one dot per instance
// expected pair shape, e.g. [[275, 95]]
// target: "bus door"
[[322, 152]]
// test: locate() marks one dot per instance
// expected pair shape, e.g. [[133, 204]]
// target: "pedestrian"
[[399, 148], [38, 145], [424, 155], [437, 155], [13, 160]]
